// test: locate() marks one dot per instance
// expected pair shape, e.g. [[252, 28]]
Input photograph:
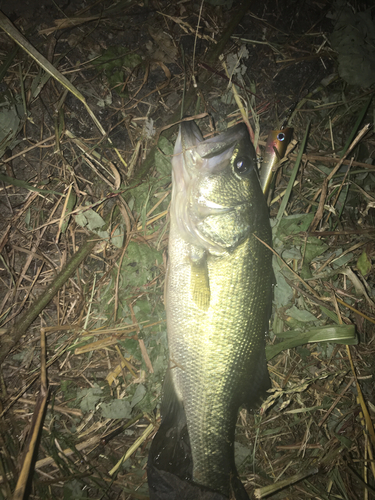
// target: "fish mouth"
[[203, 216], [191, 139], [207, 155]]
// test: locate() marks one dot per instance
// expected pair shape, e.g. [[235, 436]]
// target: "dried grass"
[[105, 328]]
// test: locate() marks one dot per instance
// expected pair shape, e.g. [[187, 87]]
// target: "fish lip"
[[192, 139]]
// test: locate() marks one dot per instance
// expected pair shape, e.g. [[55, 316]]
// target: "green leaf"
[[139, 264], [348, 443], [300, 314], [93, 219], [241, 453], [28, 218], [69, 207], [163, 157], [343, 260], [25, 185], [118, 408], [293, 176], [89, 398], [354, 38], [143, 306], [11, 120], [314, 247], [297, 247], [339, 334], [283, 292], [293, 224], [138, 395], [117, 238], [112, 61], [74, 490], [115, 58], [364, 263], [131, 347], [330, 314]]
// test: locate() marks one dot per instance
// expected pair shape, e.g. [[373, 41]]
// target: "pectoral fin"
[[200, 283]]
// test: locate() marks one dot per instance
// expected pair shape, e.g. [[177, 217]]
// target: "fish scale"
[[214, 363], [218, 297]]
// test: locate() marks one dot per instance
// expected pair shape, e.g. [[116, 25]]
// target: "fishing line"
[[195, 42]]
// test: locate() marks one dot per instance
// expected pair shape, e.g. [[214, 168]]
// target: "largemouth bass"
[[218, 300]]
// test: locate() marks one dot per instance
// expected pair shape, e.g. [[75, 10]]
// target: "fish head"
[[215, 188]]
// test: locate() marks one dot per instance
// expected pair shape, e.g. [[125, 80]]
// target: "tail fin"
[[170, 465]]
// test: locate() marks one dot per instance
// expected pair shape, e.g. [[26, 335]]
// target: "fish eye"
[[242, 166]]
